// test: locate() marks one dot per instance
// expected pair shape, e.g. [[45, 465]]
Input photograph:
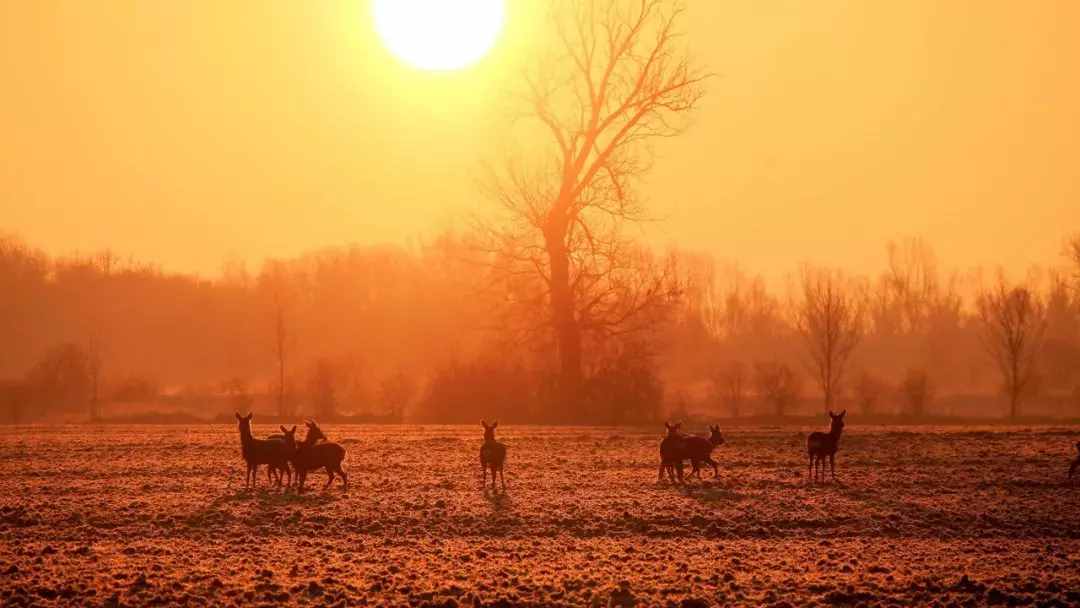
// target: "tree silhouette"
[[829, 317], [1013, 321], [615, 77]]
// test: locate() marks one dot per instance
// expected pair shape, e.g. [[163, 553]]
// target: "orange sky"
[[186, 133]]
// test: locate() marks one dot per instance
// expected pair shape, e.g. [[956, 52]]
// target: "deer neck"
[[835, 433]]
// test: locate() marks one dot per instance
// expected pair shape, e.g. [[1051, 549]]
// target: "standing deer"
[[699, 449], [492, 455], [310, 455], [672, 452], [1076, 462], [819, 445], [271, 452]]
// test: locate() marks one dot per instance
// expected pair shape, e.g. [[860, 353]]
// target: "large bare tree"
[[828, 315], [615, 76], [1013, 323]]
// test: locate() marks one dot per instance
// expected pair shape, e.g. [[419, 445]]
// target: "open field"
[[139, 515]]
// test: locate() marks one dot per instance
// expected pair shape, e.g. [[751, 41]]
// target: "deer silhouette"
[[310, 455], [819, 445], [492, 455], [1076, 461], [672, 452], [271, 452], [699, 449]]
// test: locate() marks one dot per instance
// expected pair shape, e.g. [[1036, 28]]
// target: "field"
[[141, 515]]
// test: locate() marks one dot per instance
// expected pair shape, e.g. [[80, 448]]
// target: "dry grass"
[[153, 515]]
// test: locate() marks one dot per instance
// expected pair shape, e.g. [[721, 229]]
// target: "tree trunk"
[[567, 332]]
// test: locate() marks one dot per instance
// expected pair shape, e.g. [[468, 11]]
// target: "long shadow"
[[500, 501]]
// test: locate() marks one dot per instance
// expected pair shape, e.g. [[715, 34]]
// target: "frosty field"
[[149, 515]]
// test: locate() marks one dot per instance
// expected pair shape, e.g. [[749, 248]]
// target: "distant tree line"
[[437, 333]]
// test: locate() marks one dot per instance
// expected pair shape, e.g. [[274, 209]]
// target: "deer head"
[[244, 422], [489, 430], [837, 421], [715, 437], [290, 435], [314, 433], [673, 429]]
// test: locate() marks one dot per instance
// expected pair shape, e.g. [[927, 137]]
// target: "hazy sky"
[[189, 132]]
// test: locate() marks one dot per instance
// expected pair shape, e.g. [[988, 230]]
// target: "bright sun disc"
[[439, 34]]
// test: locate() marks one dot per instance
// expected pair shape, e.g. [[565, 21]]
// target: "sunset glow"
[[539, 303], [439, 34]]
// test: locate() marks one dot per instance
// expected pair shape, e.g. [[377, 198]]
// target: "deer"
[[672, 452], [1076, 462], [699, 449], [492, 456], [271, 452], [310, 455], [287, 470], [819, 445]]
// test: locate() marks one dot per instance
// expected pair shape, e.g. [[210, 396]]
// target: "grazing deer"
[[819, 445], [699, 449], [492, 455], [1076, 462], [310, 455], [271, 452], [672, 452]]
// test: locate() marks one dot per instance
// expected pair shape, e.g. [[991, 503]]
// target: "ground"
[[139, 515]]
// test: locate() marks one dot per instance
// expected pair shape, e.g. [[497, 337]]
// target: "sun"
[[439, 34]]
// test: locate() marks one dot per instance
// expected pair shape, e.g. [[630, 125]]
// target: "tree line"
[[438, 332]]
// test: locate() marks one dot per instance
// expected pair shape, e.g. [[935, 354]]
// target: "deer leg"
[[832, 465], [502, 479], [330, 478], [663, 468], [344, 477], [1073, 467], [715, 469]]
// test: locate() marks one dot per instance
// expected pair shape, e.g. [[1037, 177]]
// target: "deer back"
[[319, 455]]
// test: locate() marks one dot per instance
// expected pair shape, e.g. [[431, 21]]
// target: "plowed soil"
[[157, 515]]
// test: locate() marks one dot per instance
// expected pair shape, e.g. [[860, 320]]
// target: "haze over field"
[[187, 134], [717, 208]]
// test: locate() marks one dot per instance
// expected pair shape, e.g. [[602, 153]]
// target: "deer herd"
[[285, 458]]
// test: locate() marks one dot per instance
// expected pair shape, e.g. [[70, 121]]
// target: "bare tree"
[[1013, 323], [275, 280], [829, 318], [730, 385], [94, 365], [868, 391], [918, 391], [322, 388], [395, 392], [615, 77], [1072, 251], [777, 384]]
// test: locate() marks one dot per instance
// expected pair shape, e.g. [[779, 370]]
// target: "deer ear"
[[238, 417], [494, 424], [483, 423], [667, 425], [843, 413], [250, 416], [293, 429], [282, 427]]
